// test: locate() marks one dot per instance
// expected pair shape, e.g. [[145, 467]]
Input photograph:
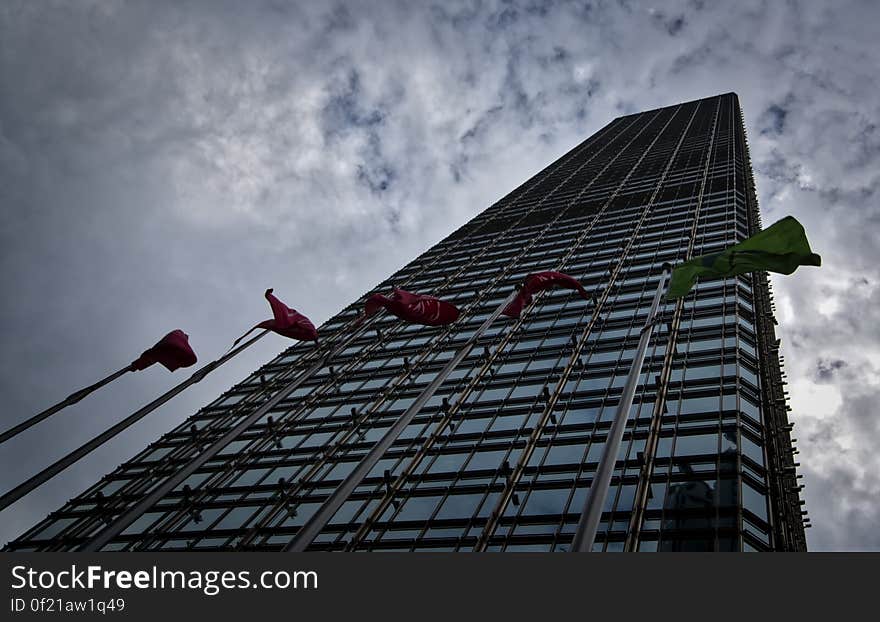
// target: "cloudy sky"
[[162, 164]]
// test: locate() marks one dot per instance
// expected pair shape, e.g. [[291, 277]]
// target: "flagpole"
[[132, 514], [316, 523], [51, 471], [590, 517], [73, 398]]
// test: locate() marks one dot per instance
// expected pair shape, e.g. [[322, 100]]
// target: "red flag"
[[287, 322], [413, 308], [172, 351], [538, 282]]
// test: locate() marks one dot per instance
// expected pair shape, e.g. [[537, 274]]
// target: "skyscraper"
[[499, 455]]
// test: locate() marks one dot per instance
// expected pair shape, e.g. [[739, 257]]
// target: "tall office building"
[[500, 456]]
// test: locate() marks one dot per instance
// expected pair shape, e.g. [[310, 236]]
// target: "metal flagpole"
[[51, 471], [73, 398], [132, 514], [588, 524], [316, 523]]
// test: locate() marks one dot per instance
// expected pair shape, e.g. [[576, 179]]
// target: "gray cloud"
[[826, 370], [162, 164]]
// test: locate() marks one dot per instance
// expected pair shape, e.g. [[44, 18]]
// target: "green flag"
[[781, 247]]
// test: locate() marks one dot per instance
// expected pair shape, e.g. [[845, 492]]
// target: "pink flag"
[[287, 322], [413, 308], [172, 351], [538, 282]]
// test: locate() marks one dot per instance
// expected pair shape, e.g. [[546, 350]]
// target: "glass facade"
[[500, 457]]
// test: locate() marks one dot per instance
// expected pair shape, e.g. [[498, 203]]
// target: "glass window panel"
[[250, 477], [546, 501], [752, 450], [235, 518], [299, 514], [448, 463], [749, 409], [746, 374], [459, 506], [690, 495], [625, 500], [469, 426], [664, 447], [705, 344], [413, 431], [756, 531], [488, 504], [526, 390], [702, 372], [728, 402], [692, 405], [543, 364], [586, 414], [754, 501], [486, 460], [512, 422], [352, 508], [494, 394], [381, 466], [58, 525], [417, 508], [696, 444], [595, 452], [341, 470], [656, 495], [565, 454], [201, 521]]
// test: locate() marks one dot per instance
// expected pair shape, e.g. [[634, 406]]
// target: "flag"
[[172, 351], [413, 308], [538, 282], [781, 247], [288, 322]]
